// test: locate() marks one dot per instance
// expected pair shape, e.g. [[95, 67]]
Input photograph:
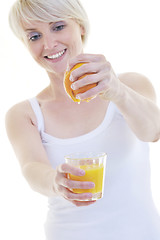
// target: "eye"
[[34, 36], [58, 26]]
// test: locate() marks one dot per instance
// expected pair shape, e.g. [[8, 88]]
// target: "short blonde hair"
[[46, 11]]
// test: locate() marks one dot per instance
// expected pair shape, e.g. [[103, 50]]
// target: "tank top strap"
[[37, 111]]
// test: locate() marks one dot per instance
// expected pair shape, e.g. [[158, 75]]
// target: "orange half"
[[72, 93]]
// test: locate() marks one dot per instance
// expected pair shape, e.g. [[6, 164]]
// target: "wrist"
[[116, 95], [120, 95]]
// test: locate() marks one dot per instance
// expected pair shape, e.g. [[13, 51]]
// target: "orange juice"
[[93, 163], [93, 173]]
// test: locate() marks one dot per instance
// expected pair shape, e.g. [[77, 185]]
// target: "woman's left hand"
[[108, 84]]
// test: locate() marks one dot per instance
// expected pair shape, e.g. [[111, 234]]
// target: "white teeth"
[[57, 55]]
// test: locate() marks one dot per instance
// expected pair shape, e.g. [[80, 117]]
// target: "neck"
[[56, 87]]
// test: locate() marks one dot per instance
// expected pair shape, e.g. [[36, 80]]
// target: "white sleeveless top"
[[126, 211]]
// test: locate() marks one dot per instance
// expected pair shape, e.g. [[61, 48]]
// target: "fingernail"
[[78, 97], [89, 195], [92, 185], [73, 87], [82, 172], [71, 78]]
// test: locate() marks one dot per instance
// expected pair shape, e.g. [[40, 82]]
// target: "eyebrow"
[[34, 29], [30, 29]]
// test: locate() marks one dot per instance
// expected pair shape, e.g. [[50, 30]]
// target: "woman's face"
[[53, 44]]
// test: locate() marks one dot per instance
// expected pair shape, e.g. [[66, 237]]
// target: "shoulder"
[[139, 83], [19, 109], [19, 114]]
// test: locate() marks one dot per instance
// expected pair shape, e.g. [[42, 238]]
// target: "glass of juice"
[[94, 166]]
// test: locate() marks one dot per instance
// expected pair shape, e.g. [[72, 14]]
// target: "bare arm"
[[136, 102], [131, 92], [26, 142], [37, 170]]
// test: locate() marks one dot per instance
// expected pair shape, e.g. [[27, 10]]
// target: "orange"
[[72, 93]]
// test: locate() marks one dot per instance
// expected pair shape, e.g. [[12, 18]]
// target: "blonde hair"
[[46, 11]]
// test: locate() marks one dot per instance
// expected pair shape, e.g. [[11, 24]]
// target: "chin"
[[59, 68]]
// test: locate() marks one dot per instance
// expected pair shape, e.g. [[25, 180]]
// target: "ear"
[[82, 30]]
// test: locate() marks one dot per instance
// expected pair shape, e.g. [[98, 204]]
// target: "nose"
[[49, 42]]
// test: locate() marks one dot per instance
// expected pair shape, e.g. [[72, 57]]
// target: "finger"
[[71, 184], [85, 58], [86, 68], [67, 168], [69, 195], [91, 69], [77, 196], [103, 84], [82, 203], [89, 79], [91, 93]]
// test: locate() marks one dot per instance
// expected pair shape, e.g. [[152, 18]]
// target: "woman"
[[120, 120]]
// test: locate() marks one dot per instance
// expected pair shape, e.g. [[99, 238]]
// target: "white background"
[[127, 33]]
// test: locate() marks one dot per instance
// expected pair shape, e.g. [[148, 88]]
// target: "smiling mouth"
[[57, 55]]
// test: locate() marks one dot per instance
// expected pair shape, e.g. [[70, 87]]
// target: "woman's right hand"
[[63, 186]]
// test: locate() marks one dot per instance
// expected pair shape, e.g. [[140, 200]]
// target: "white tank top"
[[126, 211]]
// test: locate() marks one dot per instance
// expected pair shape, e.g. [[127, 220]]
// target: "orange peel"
[[72, 93]]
